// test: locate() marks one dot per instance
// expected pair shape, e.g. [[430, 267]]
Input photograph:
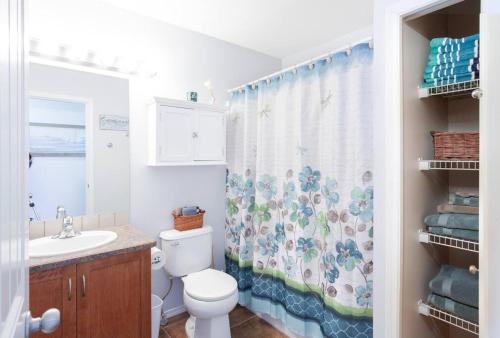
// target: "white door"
[[489, 181], [175, 134], [14, 312], [13, 276], [210, 136]]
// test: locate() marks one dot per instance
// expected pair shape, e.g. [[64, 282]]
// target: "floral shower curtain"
[[299, 206]]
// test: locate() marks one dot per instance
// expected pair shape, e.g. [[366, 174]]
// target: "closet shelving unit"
[[451, 90], [448, 165], [446, 317], [427, 182], [451, 242]]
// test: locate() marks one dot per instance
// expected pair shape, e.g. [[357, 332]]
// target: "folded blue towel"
[[189, 211], [472, 235], [455, 221], [443, 66], [450, 80], [460, 199], [457, 284], [450, 41], [454, 47], [458, 71], [449, 305]]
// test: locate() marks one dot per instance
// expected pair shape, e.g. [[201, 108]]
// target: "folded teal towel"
[[450, 80], [450, 41], [463, 311], [443, 66], [472, 235], [456, 221], [472, 201], [454, 47], [458, 71], [457, 284], [452, 57]]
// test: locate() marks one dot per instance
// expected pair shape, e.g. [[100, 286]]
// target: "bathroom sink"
[[48, 246]]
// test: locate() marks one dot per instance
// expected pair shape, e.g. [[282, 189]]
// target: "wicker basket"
[[456, 146], [183, 223]]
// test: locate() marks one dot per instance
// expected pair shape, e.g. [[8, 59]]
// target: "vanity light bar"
[[64, 54]]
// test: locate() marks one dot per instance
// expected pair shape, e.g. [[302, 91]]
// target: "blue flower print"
[[249, 192], [306, 249], [309, 179], [305, 209], [289, 194], [235, 232], [328, 191], [246, 251], [289, 266], [267, 186], [331, 271], [267, 245], [235, 184], [362, 203], [348, 254], [364, 295], [279, 233]]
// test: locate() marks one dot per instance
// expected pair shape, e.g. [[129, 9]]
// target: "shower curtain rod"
[[312, 61]]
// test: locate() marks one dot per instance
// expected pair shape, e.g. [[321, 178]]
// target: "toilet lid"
[[209, 285]]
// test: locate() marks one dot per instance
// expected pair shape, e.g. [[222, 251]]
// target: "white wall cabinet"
[[186, 133]]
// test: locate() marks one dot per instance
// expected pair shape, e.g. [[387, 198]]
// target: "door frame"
[[392, 192], [89, 140]]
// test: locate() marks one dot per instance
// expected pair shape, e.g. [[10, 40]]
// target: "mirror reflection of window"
[[57, 141]]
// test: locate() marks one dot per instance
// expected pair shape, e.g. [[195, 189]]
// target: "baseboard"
[[175, 311]]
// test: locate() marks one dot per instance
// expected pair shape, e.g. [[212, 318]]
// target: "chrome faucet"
[[67, 230]]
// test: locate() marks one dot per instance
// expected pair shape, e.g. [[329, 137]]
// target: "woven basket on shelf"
[[183, 223], [456, 146]]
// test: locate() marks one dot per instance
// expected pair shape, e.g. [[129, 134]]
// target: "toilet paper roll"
[[157, 258]]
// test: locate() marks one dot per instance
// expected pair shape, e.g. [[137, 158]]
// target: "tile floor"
[[244, 324]]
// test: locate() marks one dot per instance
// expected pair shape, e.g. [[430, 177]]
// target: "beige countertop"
[[129, 240]]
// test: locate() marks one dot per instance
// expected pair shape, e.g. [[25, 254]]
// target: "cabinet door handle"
[[70, 289], [195, 134], [84, 286]]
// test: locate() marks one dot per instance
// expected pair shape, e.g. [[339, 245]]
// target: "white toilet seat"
[[209, 285]]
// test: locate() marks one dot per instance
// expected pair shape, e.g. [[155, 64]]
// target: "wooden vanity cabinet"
[[55, 289], [110, 297]]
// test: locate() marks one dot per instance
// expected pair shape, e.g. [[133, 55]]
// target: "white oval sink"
[[48, 246]]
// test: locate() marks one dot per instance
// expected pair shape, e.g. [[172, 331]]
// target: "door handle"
[[477, 93], [70, 289], [84, 286], [47, 323]]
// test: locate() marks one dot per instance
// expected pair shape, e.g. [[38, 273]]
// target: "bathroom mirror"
[[78, 143]]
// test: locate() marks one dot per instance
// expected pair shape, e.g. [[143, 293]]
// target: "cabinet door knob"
[[473, 269], [84, 286], [195, 134], [477, 93], [70, 289]]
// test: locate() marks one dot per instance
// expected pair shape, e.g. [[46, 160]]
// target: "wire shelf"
[[448, 165], [452, 242], [431, 311], [450, 90]]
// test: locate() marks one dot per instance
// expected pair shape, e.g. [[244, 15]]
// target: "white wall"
[[183, 60], [334, 44], [109, 96]]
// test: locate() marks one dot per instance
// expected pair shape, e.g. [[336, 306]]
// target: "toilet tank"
[[187, 251]]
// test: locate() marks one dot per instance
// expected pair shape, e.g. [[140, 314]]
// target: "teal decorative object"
[[192, 96]]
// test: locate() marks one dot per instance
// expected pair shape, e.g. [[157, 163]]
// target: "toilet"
[[209, 295]]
